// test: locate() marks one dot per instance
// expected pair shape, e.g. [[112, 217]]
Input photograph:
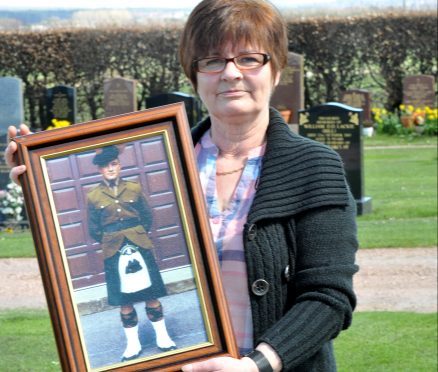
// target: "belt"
[[121, 225]]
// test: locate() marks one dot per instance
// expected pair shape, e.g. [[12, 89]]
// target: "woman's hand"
[[10, 152], [228, 364], [222, 364]]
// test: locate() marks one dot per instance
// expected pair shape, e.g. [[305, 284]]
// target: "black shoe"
[[164, 349]]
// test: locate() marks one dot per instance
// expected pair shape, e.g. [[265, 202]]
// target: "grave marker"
[[359, 98], [11, 113], [339, 126], [119, 96], [192, 105], [289, 94], [61, 104], [419, 91], [11, 102]]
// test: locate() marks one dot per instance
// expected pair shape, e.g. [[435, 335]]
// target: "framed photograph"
[[123, 243]]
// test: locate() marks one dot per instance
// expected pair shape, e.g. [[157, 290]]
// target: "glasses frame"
[[266, 58]]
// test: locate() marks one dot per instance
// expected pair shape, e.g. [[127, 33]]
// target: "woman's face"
[[233, 92]]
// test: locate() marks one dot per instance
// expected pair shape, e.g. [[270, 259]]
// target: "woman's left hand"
[[222, 364]]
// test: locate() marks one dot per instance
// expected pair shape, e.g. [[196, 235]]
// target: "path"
[[393, 279]]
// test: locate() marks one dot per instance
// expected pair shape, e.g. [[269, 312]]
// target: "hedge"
[[339, 53]]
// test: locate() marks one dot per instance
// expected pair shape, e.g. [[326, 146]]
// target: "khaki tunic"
[[106, 210]]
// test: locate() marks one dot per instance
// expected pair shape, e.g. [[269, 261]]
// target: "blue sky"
[[92, 4]]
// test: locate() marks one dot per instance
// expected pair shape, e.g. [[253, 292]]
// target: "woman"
[[280, 210], [281, 214]]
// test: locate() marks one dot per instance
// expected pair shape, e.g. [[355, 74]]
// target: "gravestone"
[[119, 96], [11, 113], [11, 102], [359, 98], [4, 169], [192, 104], [289, 94], [61, 104], [339, 126], [419, 91]]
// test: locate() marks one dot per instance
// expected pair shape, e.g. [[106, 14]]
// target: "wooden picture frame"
[[156, 153]]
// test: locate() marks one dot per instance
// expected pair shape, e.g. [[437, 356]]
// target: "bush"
[[11, 203], [378, 49], [339, 53]]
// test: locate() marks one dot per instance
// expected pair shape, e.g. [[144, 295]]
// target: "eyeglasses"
[[246, 61]]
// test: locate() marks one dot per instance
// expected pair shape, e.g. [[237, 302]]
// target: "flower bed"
[[408, 119]]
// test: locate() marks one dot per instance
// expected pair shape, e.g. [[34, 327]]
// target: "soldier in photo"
[[120, 219]]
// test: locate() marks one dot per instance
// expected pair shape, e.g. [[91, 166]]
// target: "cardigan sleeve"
[[323, 290]]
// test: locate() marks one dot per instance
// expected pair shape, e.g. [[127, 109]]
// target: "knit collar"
[[297, 173]]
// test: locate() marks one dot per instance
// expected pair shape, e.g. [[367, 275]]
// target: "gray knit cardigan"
[[300, 238]]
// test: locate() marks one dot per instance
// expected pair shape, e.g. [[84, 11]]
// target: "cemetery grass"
[[27, 342], [386, 140], [16, 244], [370, 344], [400, 175], [388, 341], [401, 179]]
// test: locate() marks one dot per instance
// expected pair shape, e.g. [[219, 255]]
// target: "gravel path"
[[392, 279]]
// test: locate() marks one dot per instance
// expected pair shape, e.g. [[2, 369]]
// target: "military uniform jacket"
[[114, 217], [300, 243]]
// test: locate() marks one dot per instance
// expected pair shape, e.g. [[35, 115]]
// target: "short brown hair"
[[213, 23]]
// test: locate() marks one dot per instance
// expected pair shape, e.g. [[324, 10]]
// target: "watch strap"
[[260, 360]]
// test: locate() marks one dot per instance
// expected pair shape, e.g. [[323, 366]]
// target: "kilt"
[[112, 276]]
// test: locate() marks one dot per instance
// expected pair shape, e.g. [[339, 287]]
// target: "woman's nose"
[[231, 71]]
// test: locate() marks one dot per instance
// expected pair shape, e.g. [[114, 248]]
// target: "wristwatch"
[[260, 360]]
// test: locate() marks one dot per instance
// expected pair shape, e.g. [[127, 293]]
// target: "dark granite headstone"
[[61, 104], [359, 98], [339, 126], [289, 94], [419, 91], [11, 113], [119, 96], [192, 105]]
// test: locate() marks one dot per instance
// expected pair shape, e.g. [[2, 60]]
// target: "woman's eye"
[[213, 62], [248, 60]]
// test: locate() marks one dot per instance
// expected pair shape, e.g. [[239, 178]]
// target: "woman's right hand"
[[10, 152]]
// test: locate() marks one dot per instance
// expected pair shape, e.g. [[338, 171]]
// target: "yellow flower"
[[58, 124]]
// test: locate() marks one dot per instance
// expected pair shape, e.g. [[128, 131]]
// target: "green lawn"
[[402, 183], [27, 342], [16, 244], [402, 140], [387, 341], [377, 341]]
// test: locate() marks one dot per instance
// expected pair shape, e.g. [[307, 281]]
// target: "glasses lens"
[[211, 64], [248, 61]]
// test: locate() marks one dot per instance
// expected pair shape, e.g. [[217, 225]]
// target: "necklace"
[[229, 172]]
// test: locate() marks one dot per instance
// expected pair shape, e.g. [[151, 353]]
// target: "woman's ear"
[[277, 78]]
